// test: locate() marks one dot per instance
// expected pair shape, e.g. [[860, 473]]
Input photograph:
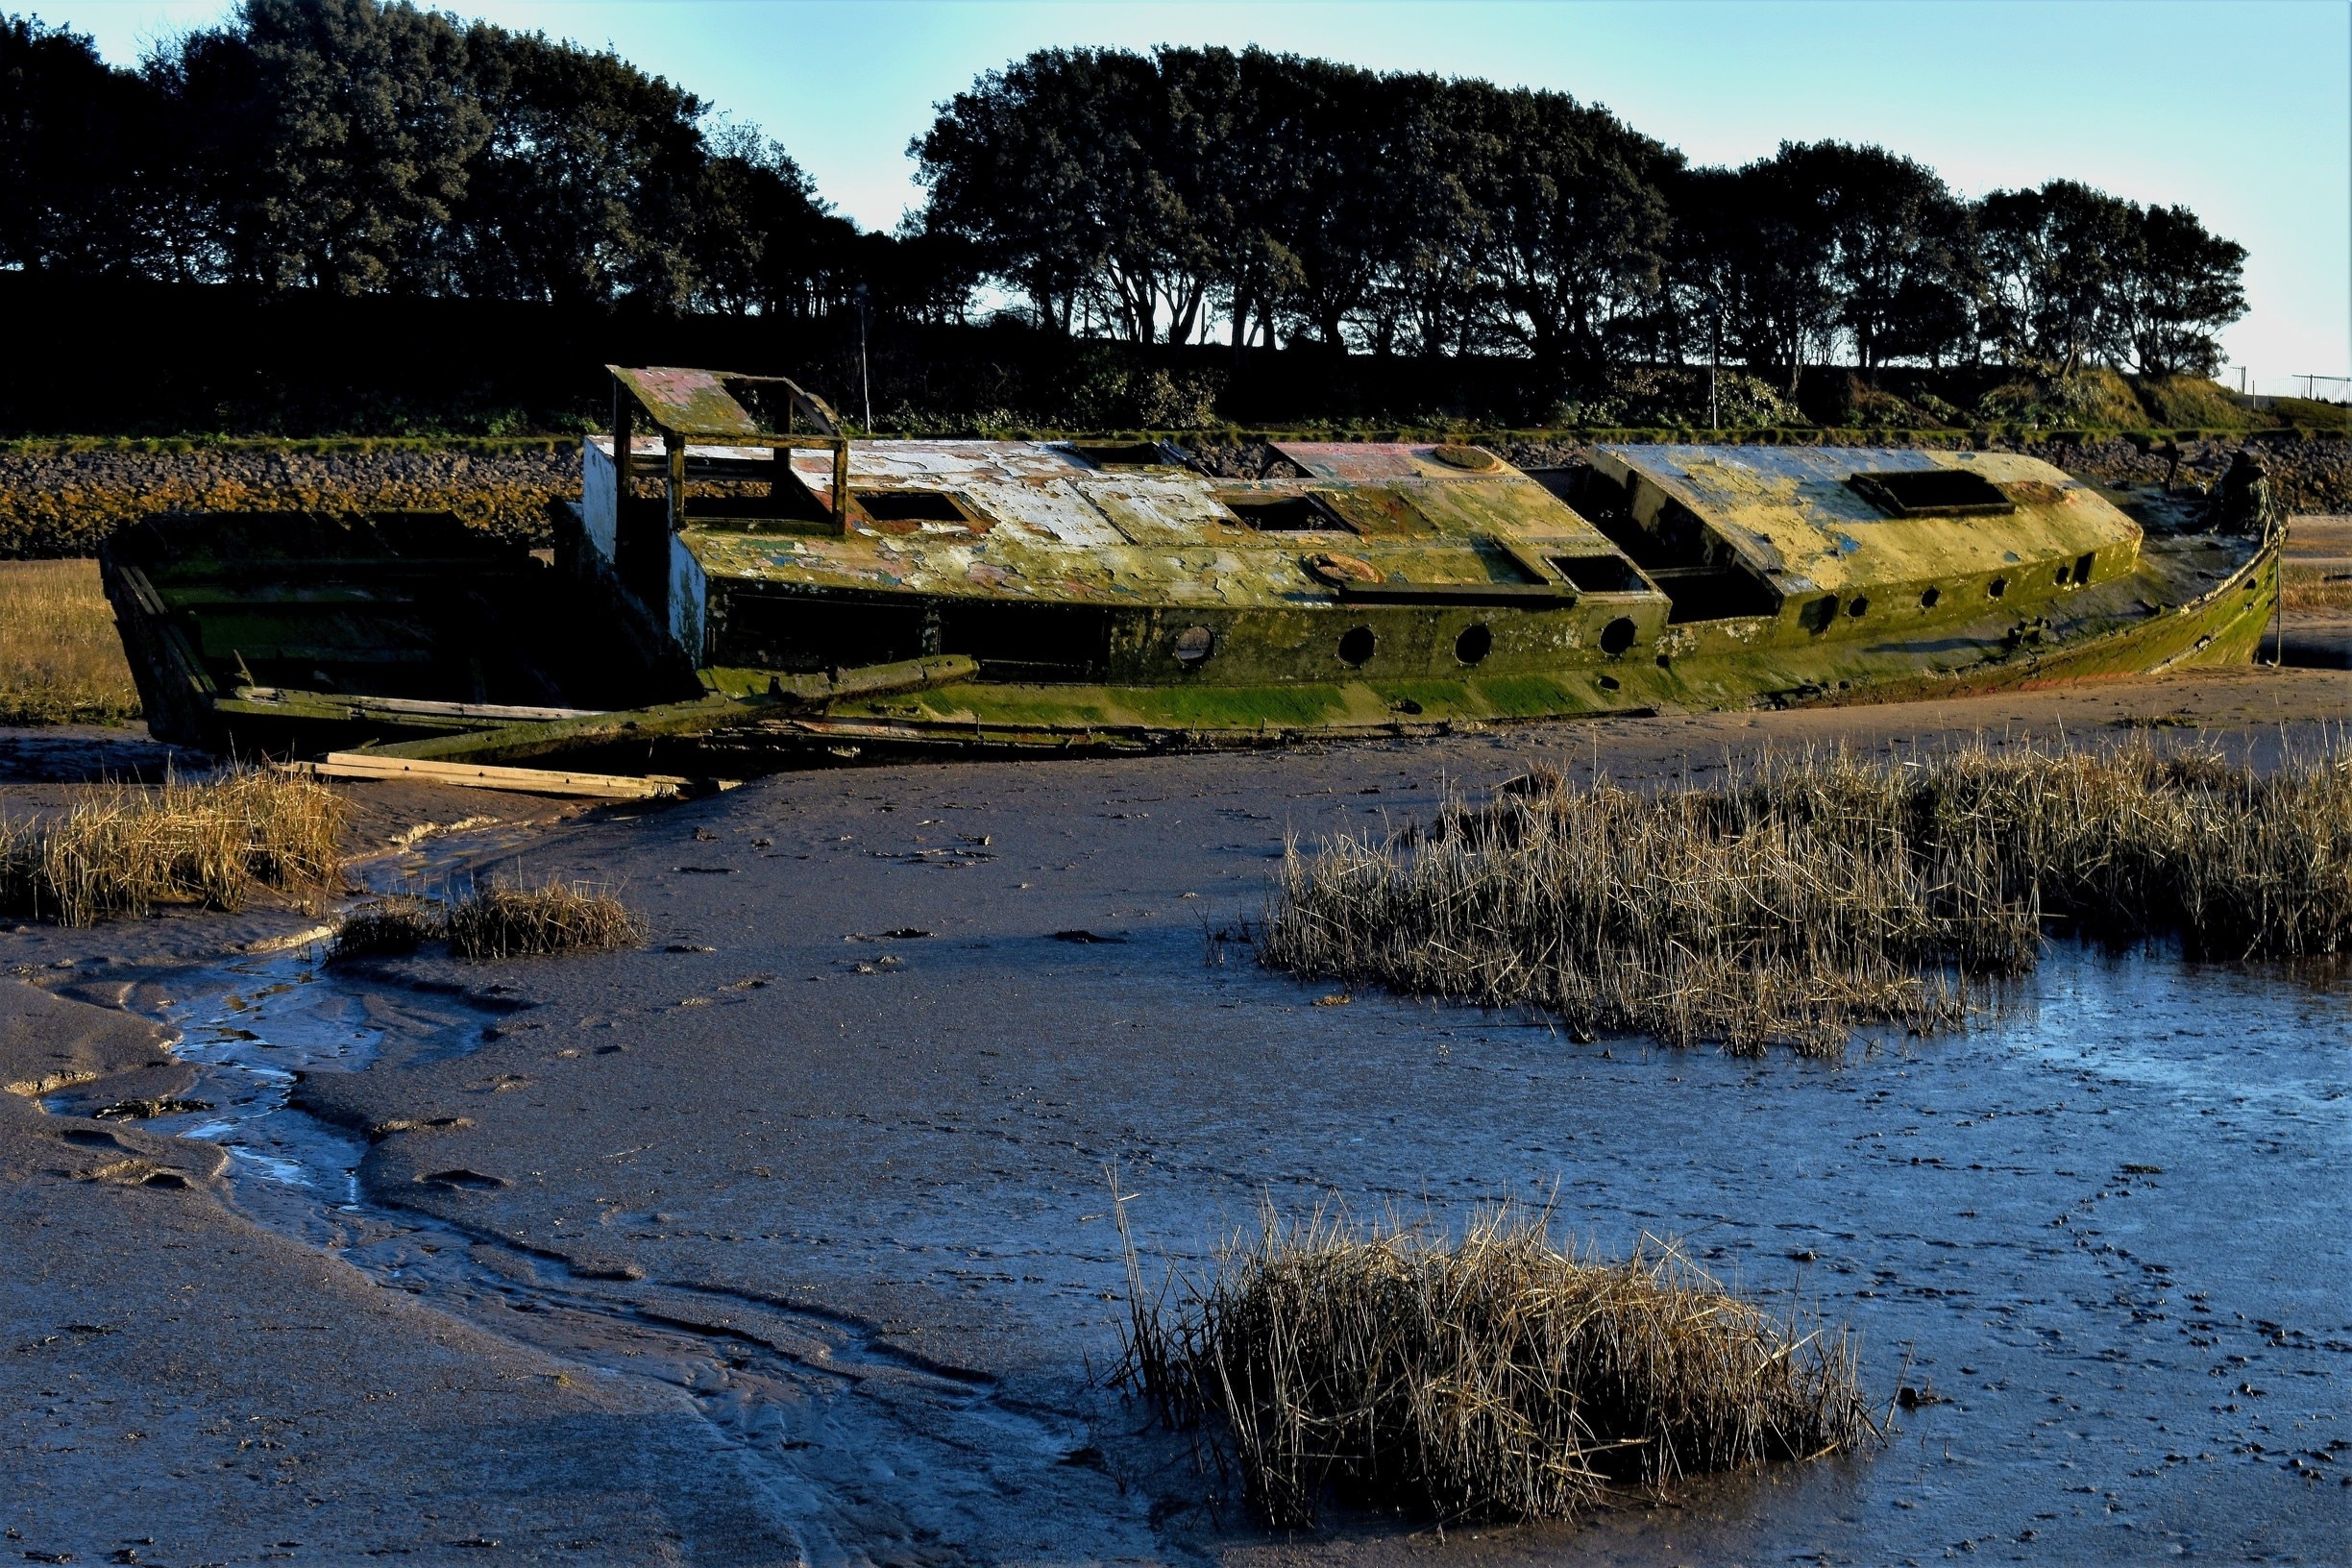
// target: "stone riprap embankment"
[[60, 501]]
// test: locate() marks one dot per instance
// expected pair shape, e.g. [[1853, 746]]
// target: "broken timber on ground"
[[741, 582]]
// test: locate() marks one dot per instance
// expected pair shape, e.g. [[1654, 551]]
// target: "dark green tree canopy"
[[1153, 198], [374, 146]]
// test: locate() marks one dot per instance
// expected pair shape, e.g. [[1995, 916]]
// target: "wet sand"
[[785, 1239]]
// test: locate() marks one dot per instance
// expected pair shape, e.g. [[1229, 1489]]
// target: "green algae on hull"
[[788, 590]]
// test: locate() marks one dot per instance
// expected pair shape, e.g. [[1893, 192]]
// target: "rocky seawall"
[[59, 501], [62, 501]]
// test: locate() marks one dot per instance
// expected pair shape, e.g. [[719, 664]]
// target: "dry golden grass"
[[1823, 894], [1493, 1375], [397, 923], [61, 659], [215, 841], [2316, 588], [497, 920]]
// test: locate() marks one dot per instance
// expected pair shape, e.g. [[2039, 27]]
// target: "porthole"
[[1474, 644], [2064, 574], [1930, 597], [1617, 636], [1609, 683], [1997, 587], [1193, 644], [1860, 607], [1356, 644]]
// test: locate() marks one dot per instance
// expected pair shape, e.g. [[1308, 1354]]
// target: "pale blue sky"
[[2242, 111]]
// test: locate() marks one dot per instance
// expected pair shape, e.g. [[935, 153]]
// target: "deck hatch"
[[1284, 514], [911, 506], [1600, 574], [1932, 492]]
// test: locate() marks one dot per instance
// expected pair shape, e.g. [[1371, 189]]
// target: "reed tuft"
[[1817, 894], [1489, 1376], [123, 849], [394, 924], [497, 920]]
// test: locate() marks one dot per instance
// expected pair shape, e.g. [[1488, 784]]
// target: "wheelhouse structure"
[[785, 589]]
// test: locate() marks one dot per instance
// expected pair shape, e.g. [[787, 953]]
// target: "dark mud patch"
[[461, 1180]]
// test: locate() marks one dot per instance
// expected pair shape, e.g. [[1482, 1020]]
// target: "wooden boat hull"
[[2221, 624], [1019, 598]]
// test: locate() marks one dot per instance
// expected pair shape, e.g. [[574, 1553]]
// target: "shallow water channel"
[[829, 1415], [2103, 1233]]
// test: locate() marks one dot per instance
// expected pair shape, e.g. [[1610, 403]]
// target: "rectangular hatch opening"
[[1282, 514], [1600, 574], [1932, 492], [911, 506], [1120, 453]]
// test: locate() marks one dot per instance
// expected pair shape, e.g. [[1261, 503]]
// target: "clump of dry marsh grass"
[[1493, 1375], [397, 923], [499, 920], [1821, 894], [216, 840], [60, 658]]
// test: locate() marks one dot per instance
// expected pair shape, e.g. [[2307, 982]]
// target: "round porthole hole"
[[1617, 636], [1356, 644], [1474, 644], [1193, 644], [1860, 607], [1997, 587], [1928, 597]]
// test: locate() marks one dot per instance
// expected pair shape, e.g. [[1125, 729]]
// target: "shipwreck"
[[742, 584]]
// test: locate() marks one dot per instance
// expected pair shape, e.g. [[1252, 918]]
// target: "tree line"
[[1183, 196], [1287, 199], [358, 147]]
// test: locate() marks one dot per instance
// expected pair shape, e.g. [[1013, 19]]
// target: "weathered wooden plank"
[[373, 765]]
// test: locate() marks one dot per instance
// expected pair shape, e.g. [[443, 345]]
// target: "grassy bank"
[[1823, 894], [61, 659], [1493, 1375], [2314, 590], [218, 842]]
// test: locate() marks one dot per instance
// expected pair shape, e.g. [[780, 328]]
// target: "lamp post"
[[864, 381], [1715, 372]]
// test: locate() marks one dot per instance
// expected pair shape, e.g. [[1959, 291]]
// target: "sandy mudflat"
[[783, 1239]]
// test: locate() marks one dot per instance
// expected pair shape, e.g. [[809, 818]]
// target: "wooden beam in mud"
[[515, 743], [375, 764]]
